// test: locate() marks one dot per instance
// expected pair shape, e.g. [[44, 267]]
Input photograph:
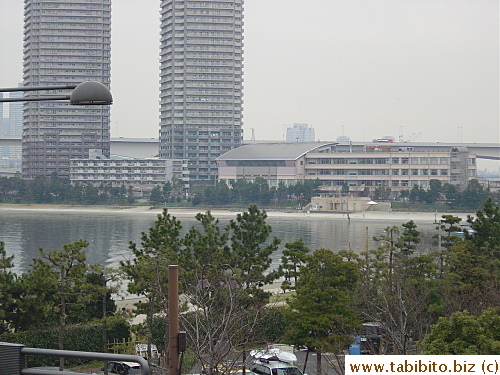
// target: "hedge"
[[87, 338]]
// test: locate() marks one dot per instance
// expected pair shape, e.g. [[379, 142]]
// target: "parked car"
[[273, 367], [124, 368], [274, 362]]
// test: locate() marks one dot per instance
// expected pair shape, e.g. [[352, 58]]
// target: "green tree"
[[417, 194], [434, 192], [250, 250], [398, 290], [226, 315], [147, 271], [69, 265], [464, 334], [472, 279], [345, 189], [156, 196], [321, 315], [474, 195], [387, 245], [262, 187], [409, 238], [282, 192], [91, 194], [486, 229], [382, 192], [446, 237], [205, 249], [8, 286], [452, 194], [404, 194], [167, 190], [294, 257]]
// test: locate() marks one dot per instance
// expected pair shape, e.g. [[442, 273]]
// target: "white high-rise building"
[[66, 42], [15, 115], [300, 133], [201, 83], [12, 126]]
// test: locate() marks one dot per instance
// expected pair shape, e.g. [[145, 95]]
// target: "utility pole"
[[173, 320]]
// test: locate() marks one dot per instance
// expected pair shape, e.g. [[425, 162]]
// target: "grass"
[[281, 297]]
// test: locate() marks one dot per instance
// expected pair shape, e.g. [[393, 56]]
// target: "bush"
[[87, 338]]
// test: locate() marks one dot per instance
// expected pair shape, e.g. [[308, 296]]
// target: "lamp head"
[[91, 93]]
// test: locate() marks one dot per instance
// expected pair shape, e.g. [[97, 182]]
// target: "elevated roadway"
[[148, 147]]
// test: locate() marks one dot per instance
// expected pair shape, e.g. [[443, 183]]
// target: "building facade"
[[396, 169], [141, 174], [66, 42], [11, 126], [361, 168], [201, 82], [300, 133]]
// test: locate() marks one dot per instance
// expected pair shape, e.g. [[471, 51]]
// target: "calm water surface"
[[109, 231]]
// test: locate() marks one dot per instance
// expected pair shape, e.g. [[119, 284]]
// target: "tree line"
[[244, 192], [56, 190], [415, 295], [472, 197]]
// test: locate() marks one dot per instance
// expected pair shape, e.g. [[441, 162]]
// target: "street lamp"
[[85, 93]]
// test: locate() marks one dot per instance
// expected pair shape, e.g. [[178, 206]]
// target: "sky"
[[425, 70]]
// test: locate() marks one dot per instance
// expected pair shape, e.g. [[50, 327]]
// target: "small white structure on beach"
[[347, 203]]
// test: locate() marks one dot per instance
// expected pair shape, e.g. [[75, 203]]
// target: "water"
[[109, 231]]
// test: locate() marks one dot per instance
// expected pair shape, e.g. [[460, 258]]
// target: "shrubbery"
[[87, 338]]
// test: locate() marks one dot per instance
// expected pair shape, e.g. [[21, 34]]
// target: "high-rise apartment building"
[[66, 42], [201, 82], [300, 133]]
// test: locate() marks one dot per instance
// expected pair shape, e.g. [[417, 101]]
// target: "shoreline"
[[405, 216]]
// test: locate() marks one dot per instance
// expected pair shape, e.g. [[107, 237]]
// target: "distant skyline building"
[[1, 115], [300, 133], [11, 126], [65, 43], [15, 127], [201, 83]]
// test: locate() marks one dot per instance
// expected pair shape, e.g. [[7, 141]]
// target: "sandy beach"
[[404, 216]]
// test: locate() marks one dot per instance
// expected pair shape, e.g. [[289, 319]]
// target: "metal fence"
[[13, 361]]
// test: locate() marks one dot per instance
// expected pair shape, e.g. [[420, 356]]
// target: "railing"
[[13, 362]]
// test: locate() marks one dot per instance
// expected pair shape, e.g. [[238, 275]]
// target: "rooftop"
[[274, 151]]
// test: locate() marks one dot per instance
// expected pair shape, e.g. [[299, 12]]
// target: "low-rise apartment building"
[[142, 174]]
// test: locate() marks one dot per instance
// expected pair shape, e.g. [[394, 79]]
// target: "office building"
[[300, 133], [201, 83], [66, 42], [361, 167]]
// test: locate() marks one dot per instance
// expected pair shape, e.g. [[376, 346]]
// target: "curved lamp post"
[[85, 93]]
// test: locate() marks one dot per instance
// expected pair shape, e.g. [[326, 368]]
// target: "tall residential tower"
[[66, 42], [201, 82]]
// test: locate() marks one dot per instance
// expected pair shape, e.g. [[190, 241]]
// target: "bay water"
[[109, 231]]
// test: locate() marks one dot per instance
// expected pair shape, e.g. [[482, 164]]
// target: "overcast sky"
[[424, 70]]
